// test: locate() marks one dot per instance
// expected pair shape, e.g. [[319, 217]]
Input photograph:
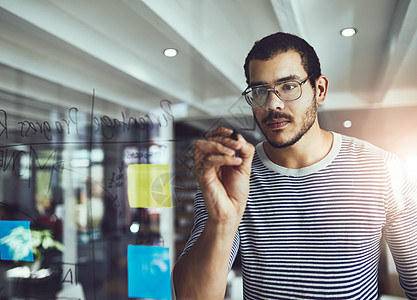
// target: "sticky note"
[[148, 185], [15, 241], [148, 272]]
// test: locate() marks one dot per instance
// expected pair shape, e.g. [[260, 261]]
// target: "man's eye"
[[259, 91], [288, 86]]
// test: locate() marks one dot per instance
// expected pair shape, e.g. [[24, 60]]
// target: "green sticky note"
[[148, 185]]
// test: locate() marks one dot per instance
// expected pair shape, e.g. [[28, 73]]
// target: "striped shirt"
[[315, 232]]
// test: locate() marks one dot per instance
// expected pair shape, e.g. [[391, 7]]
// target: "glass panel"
[[64, 169]]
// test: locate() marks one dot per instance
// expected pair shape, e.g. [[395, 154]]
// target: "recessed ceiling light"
[[347, 124], [134, 228], [347, 32], [170, 52]]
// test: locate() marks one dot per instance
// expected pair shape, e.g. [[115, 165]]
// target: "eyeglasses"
[[288, 90]]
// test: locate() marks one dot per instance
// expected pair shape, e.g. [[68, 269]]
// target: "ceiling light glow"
[[347, 124], [347, 32], [170, 52], [134, 228]]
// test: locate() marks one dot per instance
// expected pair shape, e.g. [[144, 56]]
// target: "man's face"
[[283, 123]]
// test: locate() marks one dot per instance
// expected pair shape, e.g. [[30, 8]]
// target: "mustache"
[[276, 115]]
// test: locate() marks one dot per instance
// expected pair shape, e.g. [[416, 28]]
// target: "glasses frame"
[[249, 89]]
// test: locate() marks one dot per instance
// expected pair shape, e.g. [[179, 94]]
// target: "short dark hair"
[[281, 42]]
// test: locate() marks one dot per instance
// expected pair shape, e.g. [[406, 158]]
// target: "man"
[[306, 207]]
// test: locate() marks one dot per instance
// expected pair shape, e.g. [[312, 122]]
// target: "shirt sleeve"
[[401, 223], [200, 217]]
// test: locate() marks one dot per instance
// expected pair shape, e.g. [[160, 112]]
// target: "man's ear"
[[322, 85]]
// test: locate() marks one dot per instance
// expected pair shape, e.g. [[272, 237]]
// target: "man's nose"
[[273, 102]]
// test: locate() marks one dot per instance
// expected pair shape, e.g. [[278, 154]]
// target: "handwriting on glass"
[[54, 130]]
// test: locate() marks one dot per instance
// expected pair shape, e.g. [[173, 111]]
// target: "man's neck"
[[310, 149]]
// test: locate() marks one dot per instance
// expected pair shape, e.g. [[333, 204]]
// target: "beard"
[[308, 121]]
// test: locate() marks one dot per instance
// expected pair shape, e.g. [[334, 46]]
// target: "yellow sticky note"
[[148, 185]]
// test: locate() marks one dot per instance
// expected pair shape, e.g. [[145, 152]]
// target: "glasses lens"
[[288, 91], [258, 95]]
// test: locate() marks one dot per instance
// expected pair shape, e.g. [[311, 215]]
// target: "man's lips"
[[276, 120], [277, 124]]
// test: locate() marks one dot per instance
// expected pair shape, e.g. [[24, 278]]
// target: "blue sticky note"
[[148, 272], [16, 241]]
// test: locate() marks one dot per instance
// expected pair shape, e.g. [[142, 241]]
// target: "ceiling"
[[58, 52]]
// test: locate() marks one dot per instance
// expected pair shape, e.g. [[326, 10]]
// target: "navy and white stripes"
[[315, 233]]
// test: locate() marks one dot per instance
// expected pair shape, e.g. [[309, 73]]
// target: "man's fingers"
[[217, 160], [221, 141], [246, 152], [220, 148], [214, 161], [210, 154], [220, 131], [205, 147]]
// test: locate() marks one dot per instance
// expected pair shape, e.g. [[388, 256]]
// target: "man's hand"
[[224, 182], [223, 176]]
